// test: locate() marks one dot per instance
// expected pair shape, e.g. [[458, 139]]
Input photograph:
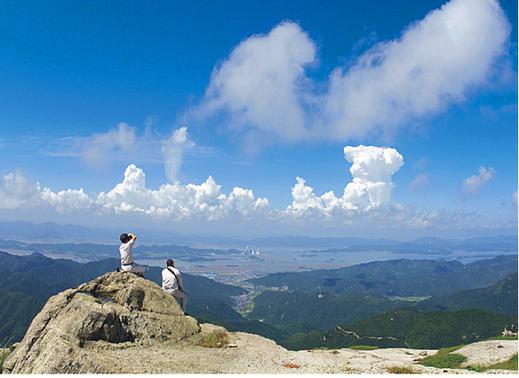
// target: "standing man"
[[126, 251], [172, 283]]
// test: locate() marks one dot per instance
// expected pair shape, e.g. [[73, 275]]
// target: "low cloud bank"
[[371, 168], [366, 200]]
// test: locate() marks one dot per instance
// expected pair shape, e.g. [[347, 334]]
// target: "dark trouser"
[[180, 296]]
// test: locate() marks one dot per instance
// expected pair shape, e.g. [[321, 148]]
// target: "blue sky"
[[72, 70]]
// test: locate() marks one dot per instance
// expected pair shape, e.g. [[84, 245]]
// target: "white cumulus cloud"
[[473, 184], [436, 62], [16, 192], [306, 203], [433, 64], [365, 201], [131, 196], [176, 201], [371, 170], [67, 200], [262, 82]]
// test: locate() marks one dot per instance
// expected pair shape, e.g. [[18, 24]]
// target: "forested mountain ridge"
[[402, 277], [317, 311], [501, 297], [310, 319], [409, 328]]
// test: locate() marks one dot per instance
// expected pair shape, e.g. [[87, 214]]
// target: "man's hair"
[[170, 262], [125, 238]]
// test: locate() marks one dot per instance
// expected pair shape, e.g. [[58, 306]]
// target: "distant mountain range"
[[94, 251], [51, 232]]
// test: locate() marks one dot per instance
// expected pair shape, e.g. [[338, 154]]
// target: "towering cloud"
[[372, 168], [173, 151], [436, 61]]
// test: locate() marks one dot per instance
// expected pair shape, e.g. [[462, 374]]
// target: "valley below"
[[71, 335]]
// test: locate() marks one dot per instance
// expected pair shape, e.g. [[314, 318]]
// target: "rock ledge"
[[115, 308]]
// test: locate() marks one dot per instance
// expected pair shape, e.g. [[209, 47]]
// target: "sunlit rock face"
[[116, 308]]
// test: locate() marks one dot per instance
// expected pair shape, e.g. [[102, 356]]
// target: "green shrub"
[[444, 358]]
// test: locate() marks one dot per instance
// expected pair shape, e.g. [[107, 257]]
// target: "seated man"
[[126, 247], [172, 283]]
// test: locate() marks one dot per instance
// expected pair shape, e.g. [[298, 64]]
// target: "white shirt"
[[169, 281], [126, 252]]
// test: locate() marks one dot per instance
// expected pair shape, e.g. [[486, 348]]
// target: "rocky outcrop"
[[116, 308], [488, 352]]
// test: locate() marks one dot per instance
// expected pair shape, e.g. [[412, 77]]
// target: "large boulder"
[[116, 308]]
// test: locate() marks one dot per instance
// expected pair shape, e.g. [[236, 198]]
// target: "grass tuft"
[[401, 370], [215, 339], [510, 364], [503, 338], [444, 358]]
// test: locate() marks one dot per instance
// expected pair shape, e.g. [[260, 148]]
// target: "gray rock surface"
[[117, 308], [488, 352]]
